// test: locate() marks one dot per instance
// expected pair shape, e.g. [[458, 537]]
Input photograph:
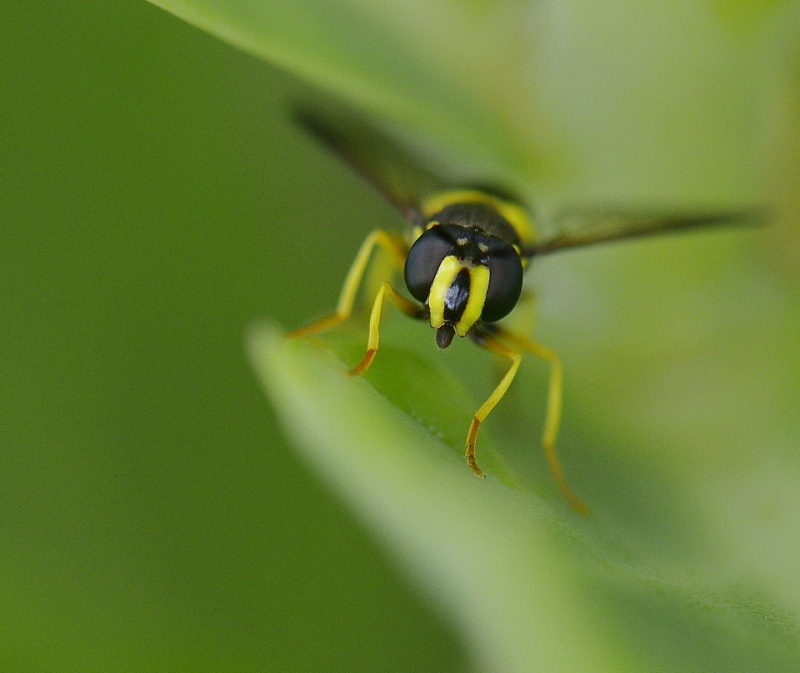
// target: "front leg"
[[408, 307], [391, 245], [492, 338]]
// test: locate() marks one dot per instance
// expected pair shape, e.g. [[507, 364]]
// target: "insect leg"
[[554, 399], [344, 308], [483, 339], [408, 307]]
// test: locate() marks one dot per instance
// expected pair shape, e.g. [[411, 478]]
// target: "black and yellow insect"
[[463, 257]]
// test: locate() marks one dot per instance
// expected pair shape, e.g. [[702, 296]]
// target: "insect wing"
[[577, 228], [373, 156]]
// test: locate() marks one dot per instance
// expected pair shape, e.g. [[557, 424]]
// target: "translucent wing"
[[371, 154], [575, 228]]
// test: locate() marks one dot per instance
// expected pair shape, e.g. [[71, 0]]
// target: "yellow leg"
[[390, 244], [553, 413], [406, 306], [497, 395], [393, 246]]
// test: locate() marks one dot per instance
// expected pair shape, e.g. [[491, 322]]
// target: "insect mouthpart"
[[444, 335]]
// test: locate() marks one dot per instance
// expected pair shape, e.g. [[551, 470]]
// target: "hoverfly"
[[463, 258]]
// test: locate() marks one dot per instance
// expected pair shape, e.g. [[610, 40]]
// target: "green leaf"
[[534, 585], [376, 56], [489, 553], [633, 103]]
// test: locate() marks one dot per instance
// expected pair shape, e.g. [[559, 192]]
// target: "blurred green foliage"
[[153, 196], [155, 201]]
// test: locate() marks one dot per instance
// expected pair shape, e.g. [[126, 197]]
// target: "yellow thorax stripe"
[[445, 277], [514, 214]]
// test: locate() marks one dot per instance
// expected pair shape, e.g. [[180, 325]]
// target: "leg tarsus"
[[470, 454], [362, 366], [561, 480]]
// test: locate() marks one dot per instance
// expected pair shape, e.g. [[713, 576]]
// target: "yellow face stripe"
[[445, 277], [478, 285]]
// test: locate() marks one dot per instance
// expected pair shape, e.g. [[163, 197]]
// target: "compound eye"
[[505, 280], [424, 259]]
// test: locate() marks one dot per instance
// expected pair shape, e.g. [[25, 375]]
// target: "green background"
[[152, 517], [155, 201]]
